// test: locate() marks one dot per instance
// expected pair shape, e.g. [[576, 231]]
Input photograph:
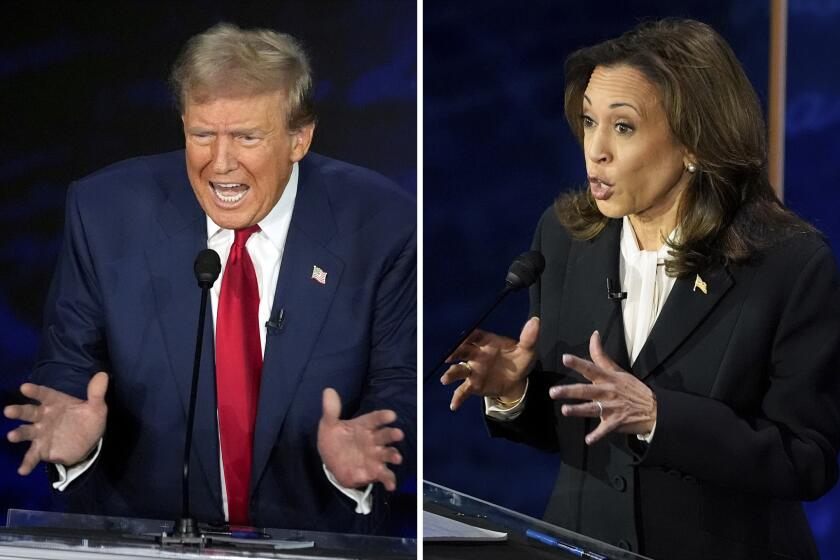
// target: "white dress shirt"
[[643, 278], [265, 247]]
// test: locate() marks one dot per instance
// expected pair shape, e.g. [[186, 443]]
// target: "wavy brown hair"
[[729, 213]]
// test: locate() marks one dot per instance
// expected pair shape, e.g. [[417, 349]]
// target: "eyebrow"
[[616, 105], [253, 131]]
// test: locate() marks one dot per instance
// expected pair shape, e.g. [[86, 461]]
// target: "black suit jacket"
[[748, 392]]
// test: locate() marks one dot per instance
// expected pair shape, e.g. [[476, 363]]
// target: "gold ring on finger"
[[467, 366], [600, 410]]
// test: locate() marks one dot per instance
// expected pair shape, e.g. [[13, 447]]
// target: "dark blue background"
[[84, 85], [497, 150]]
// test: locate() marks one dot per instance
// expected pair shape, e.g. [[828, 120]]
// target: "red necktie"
[[238, 366]]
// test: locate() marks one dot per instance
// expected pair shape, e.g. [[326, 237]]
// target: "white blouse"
[[643, 278]]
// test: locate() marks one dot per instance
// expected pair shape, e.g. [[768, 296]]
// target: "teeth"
[[230, 198], [237, 191]]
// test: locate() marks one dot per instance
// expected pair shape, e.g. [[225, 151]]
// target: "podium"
[[64, 536], [479, 513]]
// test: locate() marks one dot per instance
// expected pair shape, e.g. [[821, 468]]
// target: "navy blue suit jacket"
[[124, 300]]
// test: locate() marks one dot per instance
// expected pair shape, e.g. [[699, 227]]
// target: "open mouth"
[[229, 194], [600, 189]]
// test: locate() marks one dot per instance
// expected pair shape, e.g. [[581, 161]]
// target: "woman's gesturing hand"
[[492, 365], [622, 401]]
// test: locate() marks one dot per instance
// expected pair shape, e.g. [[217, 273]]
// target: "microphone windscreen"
[[207, 267], [525, 270]]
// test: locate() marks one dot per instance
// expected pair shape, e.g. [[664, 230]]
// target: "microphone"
[[275, 325], [207, 268], [612, 293], [523, 272]]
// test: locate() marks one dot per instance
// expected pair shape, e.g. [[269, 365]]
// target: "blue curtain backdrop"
[[497, 151], [84, 85]]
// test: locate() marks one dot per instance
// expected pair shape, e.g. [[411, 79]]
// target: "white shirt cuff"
[[647, 438], [363, 498], [493, 410], [66, 475]]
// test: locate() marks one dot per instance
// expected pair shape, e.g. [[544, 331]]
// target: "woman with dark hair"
[[684, 346]]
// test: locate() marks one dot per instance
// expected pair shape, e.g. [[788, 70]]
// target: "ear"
[[301, 140]]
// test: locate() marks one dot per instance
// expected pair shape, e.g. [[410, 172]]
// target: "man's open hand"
[[357, 451], [62, 429]]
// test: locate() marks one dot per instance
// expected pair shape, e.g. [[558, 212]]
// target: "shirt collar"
[[276, 223]]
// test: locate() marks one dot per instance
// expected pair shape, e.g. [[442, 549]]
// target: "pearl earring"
[[691, 168]]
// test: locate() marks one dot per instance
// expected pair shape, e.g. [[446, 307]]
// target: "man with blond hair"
[[315, 307]]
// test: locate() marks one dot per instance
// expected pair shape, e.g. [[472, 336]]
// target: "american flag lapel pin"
[[698, 283], [319, 275]]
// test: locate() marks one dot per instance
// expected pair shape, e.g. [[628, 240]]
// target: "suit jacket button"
[[624, 544], [675, 473], [619, 483]]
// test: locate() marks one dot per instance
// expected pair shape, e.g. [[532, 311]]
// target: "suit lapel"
[[591, 264], [178, 299], [683, 311], [304, 302]]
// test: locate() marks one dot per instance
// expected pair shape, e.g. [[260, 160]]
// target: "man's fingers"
[[25, 412], [460, 394], [44, 394], [331, 404], [386, 436], [390, 455], [601, 359], [454, 373], [584, 367], [25, 432], [34, 392], [530, 333], [373, 420], [97, 387], [30, 461], [387, 478]]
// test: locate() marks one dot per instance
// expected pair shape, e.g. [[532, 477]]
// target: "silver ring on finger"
[[600, 410], [467, 366]]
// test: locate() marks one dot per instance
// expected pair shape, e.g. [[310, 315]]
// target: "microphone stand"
[[186, 527], [464, 334], [523, 272]]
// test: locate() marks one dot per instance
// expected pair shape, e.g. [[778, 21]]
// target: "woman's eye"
[[623, 128], [587, 121]]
